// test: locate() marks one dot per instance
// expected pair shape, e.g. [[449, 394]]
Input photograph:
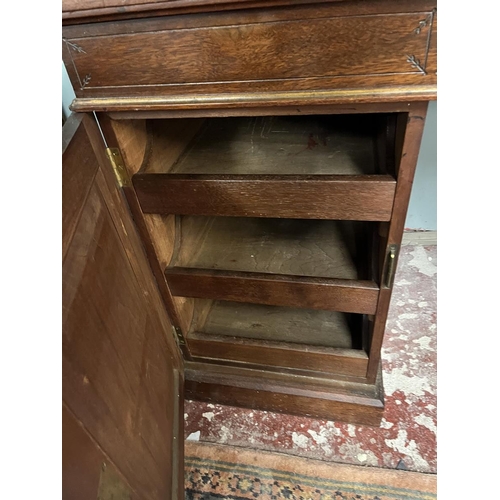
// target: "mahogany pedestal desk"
[[236, 177]]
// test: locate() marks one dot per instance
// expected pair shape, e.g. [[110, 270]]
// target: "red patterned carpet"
[[213, 472], [407, 435]]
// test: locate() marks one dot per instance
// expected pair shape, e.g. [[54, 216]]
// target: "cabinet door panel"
[[122, 372]]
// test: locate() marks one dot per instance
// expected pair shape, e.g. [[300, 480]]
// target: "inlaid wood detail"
[[415, 63]]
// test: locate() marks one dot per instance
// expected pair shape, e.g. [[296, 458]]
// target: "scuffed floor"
[[407, 435]]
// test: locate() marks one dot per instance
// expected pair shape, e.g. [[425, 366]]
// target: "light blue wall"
[[67, 92], [423, 203]]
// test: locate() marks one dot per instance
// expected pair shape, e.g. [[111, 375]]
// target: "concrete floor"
[[407, 435]]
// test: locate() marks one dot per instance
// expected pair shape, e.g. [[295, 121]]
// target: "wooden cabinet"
[[274, 241], [266, 155]]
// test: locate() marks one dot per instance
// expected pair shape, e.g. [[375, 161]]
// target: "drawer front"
[[273, 51], [364, 198], [272, 354], [350, 296]]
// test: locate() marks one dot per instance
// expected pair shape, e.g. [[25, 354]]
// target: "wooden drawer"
[[330, 198], [319, 167], [294, 338], [274, 50], [311, 264]]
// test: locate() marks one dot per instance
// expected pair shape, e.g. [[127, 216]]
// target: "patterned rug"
[[213, 472]]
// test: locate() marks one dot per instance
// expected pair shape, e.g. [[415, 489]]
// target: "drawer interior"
[[279, 145], [315, 167], [319, 248], [268, 232], [279, 337], [317, 264], [281, 324]]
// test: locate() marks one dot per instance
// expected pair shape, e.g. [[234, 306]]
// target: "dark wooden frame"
[[402, 155], [242, 372]]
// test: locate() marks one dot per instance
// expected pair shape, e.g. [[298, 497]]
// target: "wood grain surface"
[[306, 263], [166, 141], [281, 290], [319, 248], [78, 172], [280, 183], [83, 462], [316, 167], [344, 197], [409, 133], [303, 109], [123, 136], [275, 355], [327, 398], [81, 11], [282, 324], [122, 373], [306, 145], [305, 48], [368, 45]]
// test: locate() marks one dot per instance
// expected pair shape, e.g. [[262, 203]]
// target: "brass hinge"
[[178, 334], [390, 265], [116, 160]]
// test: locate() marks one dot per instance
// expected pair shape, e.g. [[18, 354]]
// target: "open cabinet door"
[[122, 372]]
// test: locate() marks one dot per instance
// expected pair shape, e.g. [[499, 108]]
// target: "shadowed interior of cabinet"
[[331, 249], [336, 249], [280, 324], [284, 145], [135, 143], [287, 145]]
